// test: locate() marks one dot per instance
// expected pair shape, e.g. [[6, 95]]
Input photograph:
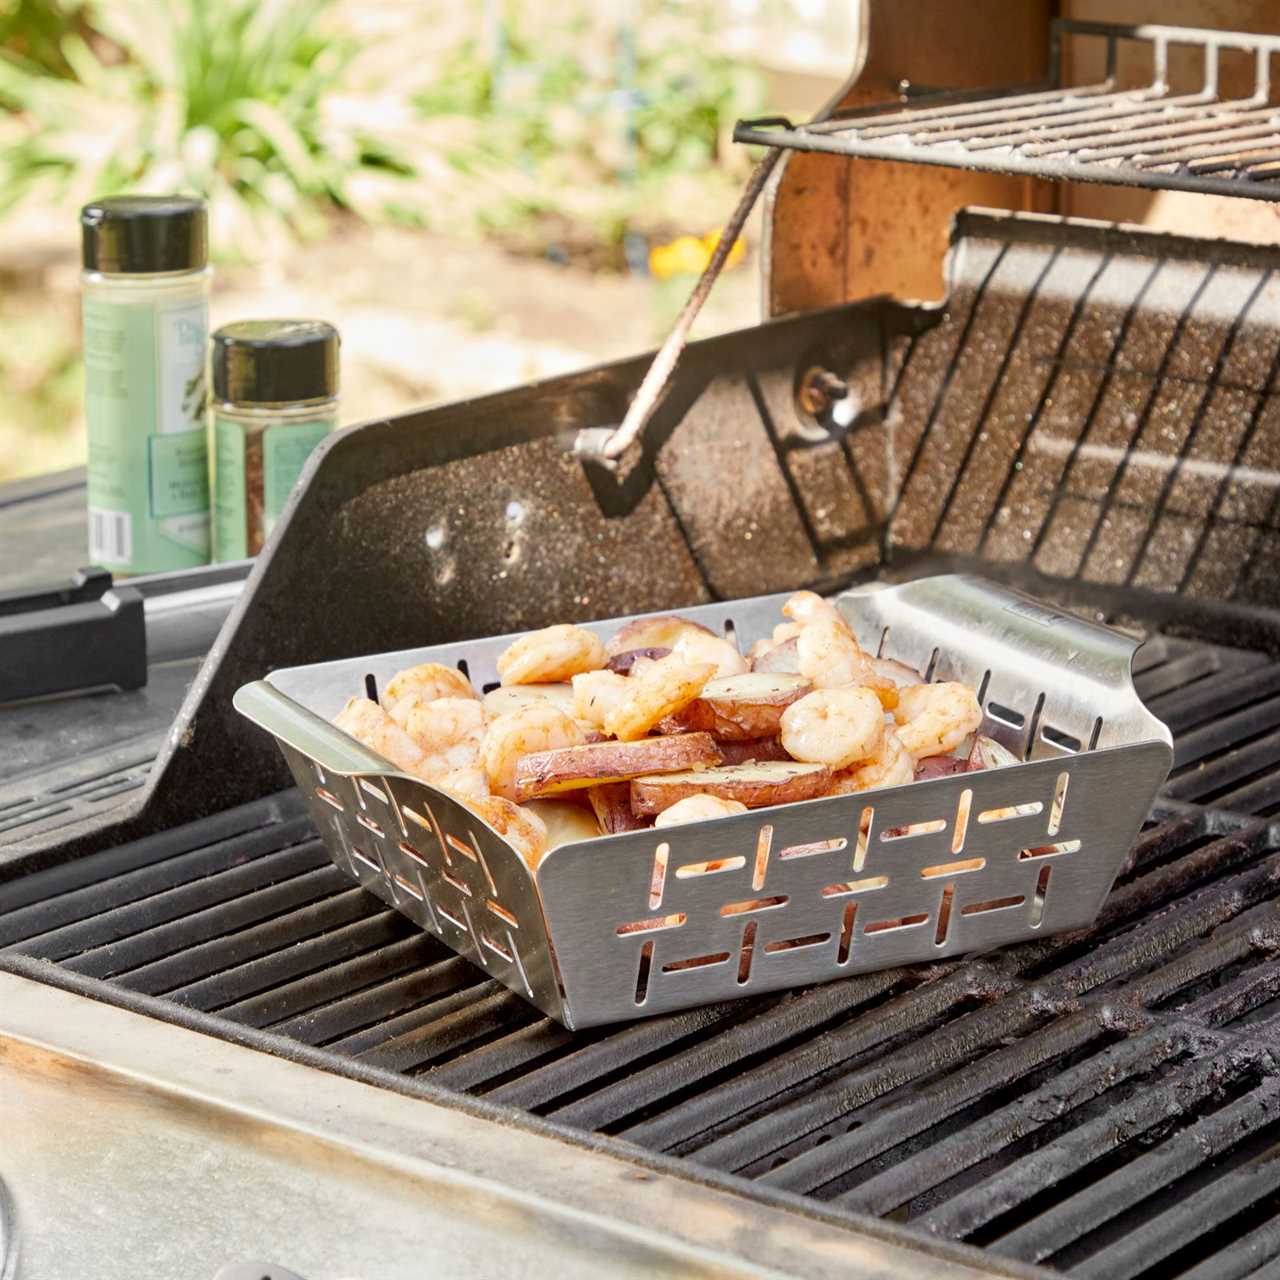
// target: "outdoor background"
[[476, 192]]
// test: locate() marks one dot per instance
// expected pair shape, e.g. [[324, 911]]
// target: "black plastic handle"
[[83, 634]]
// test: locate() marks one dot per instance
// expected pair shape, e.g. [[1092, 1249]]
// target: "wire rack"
[[1146, 136]]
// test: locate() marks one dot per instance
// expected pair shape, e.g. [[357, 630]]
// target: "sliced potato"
[[565, 822], [497, 702], [987, 753], [542, 773], [652, 633], [519, 826], [755, 785], [622, 662], [745, 706], [779, 658], [748, 750], [611, 802], [943, 767]]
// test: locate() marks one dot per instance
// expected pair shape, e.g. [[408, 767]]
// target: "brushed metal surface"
[[634, 925]]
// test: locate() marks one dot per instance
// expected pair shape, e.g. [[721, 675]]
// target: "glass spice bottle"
[[146, 333], [275, 388]]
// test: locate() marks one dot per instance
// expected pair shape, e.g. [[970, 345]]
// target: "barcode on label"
[[110, 535]]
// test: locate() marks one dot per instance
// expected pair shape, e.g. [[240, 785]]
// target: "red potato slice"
[[505, 698], [565, 823], [652, 633], [779, 658], [621, 663], [943, 767], [752, 750], [611, 802], [543, 773], [987, 753], [755, 785], [745, 706]]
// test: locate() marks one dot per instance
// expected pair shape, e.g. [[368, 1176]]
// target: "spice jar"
[[275, 387], [146, 333]]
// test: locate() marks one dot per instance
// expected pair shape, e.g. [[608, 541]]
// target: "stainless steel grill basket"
[[638, 924]]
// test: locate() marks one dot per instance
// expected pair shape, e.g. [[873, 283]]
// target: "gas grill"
[[1090, 415]]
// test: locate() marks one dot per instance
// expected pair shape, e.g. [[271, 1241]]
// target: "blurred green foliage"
[[569, 113], [227, 98]]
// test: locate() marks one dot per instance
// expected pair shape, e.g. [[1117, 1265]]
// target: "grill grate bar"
[[381, 946], [391, 1031], [766, 1033], [735, 1099], [1108, 1198], [1146, 136], [894, 1124], [1246, 1257], [377, 1005], [1163, 1234], [274, 920], [83, 918], [499, 1058]]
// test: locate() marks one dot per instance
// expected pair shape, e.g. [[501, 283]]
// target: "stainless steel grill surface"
[[1104, 1102]]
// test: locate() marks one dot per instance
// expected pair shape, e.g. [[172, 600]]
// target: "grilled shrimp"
[[469, 783], [695, 646], [429, 681], [891, 766], [552, 654], [369, 724], [538, 727], [807, 607], [596, 694], [698, 808], [836, 727], [829, 657], [448, 730], [516, 824], [655, 689], [934, 719]]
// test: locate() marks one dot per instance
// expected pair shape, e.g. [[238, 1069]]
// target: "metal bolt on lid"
[[275, 361], [129, 235]]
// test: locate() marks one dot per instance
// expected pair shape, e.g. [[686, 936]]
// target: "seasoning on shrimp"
[[550, 655], [891, 766], [448, 730], [654, 690], [539, 727], [430, 680], [934, 719], [835, 727]]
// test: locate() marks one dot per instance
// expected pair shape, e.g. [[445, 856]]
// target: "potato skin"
[[739, 707], [749, 750], [755, 785], [621, 663], [651, 633], [542, 773], [611, 802], [779, 659]]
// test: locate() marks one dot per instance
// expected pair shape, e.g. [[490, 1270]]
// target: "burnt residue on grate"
[[1106, 1102]]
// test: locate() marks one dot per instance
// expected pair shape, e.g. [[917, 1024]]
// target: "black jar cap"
[[275, 361], [127, 235]]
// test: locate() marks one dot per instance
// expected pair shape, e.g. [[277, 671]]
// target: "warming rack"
[[1148, 136]]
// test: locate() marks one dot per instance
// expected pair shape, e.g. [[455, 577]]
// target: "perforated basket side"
[[417, 849], [810, 892]]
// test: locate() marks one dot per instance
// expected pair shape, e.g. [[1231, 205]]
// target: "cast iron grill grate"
[[1210, 137], [1103, 1103]]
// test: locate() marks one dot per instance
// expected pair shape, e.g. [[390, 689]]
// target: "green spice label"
[[285, 450], [230, 506], [253, 477], [145, 404]]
